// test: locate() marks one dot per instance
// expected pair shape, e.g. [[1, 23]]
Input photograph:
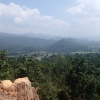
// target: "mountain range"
[[21, 43]]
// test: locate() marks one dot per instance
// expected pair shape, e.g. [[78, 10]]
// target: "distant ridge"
[[20, 43], [67, 45]]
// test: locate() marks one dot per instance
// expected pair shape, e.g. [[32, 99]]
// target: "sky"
[[69, 18]]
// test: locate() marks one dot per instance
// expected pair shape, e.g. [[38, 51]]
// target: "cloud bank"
[[21, 19], [86, 15], [85, 7], [82, 20]]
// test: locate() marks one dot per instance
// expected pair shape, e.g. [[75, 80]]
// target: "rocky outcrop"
[[20, 89]]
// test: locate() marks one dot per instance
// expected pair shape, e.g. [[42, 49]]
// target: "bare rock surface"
[[20, 89]]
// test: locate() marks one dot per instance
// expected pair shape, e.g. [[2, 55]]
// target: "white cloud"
[[78, 9], [20, 19], [85, 17], [60, 23], [88, 26], [85, 7], [89, 20]]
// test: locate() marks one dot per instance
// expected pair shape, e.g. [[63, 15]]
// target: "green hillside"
[[18, 43], [67, 45], [23, 44]]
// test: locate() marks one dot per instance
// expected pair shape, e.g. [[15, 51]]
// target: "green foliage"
[[82, 79], [77, 74], [6, 71]]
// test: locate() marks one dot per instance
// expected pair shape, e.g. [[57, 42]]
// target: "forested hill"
[[23, 44], [18, 43], [67, 45]]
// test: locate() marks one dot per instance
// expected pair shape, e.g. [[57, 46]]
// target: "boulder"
[[20, 89]]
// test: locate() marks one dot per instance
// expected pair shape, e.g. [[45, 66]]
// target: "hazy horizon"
[[50, 36]]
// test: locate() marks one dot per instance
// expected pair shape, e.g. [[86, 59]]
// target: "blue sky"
[[70, 18]]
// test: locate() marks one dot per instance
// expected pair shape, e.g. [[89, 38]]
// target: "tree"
[[6, 71], [82, 79]]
